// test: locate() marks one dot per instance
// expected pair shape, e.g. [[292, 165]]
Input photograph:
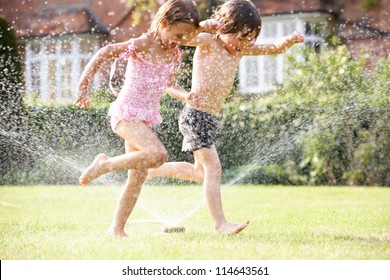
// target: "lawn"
[[68, 222]]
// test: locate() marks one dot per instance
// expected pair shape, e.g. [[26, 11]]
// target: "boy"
[[214, 68]]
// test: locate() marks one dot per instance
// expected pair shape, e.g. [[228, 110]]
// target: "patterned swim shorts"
[[198, 128]]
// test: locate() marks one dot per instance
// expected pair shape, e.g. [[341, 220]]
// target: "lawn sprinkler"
[[173, 229]]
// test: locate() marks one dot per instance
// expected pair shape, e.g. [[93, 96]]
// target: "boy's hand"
[[210, 24], [296, 37], [82, 98]]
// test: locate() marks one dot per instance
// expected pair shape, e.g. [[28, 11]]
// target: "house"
[[57, 38], [362, 24]]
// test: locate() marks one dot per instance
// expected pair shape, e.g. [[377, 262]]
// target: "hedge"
[[327, 124]]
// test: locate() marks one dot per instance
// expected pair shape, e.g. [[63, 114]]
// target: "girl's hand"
[[296, 37], [82, 98], [193, 99], [210, 24]]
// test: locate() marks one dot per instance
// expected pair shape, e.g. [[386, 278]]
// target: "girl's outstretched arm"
[[97, 61], [276, 48], [209, 25], [204, 37], [182, 95]]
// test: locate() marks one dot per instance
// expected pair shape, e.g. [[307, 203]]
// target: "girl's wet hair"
[[175, 11], [238, 16]]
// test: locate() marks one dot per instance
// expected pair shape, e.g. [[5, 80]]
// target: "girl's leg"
[[149, 153], [208, 158], [127, 199], [178, 170]]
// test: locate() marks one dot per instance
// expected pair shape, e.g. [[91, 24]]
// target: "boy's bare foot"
[[94, 170], [230, 228]]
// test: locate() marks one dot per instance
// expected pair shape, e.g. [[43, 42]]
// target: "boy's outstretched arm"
[[276, 48]]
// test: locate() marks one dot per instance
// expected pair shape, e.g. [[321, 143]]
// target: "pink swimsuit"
[[141, 92]]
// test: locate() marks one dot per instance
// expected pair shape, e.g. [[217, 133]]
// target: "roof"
[[58, 22], [352, 30], [296, 6], [39, 18]]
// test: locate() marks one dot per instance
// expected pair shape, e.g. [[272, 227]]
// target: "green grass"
[[48, 222]]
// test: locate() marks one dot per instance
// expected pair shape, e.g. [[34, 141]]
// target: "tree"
[[13, 121]]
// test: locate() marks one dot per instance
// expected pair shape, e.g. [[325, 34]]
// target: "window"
[[54, 65], [262, 73]]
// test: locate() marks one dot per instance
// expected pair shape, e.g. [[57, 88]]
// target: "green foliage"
[[101, 98], [168, 131], [11, 67], [140, 7], [369, 4], [65, 139], [325, 125], [13, 121]]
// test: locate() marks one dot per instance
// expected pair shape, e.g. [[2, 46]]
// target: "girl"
[[214, 68], [152, 59]]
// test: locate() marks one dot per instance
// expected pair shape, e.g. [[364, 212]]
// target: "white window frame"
[[278, 23], [75, 56]]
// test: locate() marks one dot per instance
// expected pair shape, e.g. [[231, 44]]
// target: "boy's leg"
[[178, 170], [208, 158], [127, 199], [149, 153]]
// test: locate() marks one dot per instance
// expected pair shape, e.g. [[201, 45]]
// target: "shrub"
[[65, 139], [325, 125]]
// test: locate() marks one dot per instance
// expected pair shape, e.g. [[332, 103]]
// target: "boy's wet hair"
[[175, 11], [238, 16]]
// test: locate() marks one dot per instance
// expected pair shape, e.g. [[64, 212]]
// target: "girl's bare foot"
[[230, 228], [94, 170], [116, 233]]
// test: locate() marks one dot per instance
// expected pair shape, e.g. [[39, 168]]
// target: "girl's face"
[[236, 43], [177, 33]]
